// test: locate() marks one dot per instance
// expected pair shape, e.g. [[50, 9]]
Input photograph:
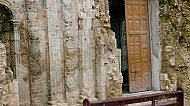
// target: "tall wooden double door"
[[138, 45]]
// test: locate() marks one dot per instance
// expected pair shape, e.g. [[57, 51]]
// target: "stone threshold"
[[126, 94], [139, 94]]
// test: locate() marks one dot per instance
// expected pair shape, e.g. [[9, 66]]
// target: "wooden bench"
[[171, 98]]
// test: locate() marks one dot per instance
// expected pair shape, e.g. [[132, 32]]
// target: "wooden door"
[[138, 46]]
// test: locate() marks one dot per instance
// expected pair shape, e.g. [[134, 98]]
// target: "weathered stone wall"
[[175, 43], [65, 52], [111, 64], [8, 85]]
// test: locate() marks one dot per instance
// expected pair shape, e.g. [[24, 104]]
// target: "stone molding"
[[10, 5], [16, 22], [7, 3]]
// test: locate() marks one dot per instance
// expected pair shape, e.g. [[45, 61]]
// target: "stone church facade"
[[62, 51]]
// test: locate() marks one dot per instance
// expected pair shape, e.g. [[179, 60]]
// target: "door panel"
[[138, 46]]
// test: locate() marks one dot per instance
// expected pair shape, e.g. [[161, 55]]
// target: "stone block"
[[12, 100], [14, 87], [164, 77], [163, 85]]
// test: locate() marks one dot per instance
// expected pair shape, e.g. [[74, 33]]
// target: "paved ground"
[[187, 102]]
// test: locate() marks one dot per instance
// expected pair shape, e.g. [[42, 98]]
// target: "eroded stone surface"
[[8, 86], [175, 40], [68, 52]]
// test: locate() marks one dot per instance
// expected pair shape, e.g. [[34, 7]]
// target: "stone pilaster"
[[86, 59], [101, 74], [55, 39], [16, 46], [71, 62], [38, 59], [16, 62]]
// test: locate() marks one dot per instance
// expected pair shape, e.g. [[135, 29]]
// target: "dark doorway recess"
[[117, 14], [7, 35]]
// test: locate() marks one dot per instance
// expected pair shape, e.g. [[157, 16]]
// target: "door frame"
[[155, 50]]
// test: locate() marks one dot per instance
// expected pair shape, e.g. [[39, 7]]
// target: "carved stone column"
[[16, 61], [87, 50], [16, 46], [21, 76]]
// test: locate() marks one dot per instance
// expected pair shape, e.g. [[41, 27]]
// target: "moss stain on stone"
[[175, 41]]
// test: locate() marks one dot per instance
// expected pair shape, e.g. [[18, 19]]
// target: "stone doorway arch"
[[9, 35]]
